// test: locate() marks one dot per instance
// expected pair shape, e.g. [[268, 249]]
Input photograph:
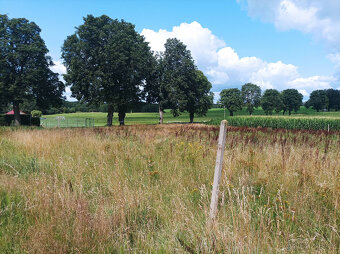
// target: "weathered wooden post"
[[218, 170]]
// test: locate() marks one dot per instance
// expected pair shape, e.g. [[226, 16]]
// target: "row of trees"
[[250, 96], [108, 62], [324, 99]]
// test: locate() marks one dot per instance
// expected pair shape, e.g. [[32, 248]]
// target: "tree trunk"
[[231, 113], [192, 117], [160, 115], [289, 112], [109, 115], [17, 120], [121, 116]]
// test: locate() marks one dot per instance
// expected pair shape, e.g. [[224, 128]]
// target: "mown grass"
[[215, 113], [147, 189]]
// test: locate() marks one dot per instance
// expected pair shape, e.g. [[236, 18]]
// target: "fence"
[[66, 122]]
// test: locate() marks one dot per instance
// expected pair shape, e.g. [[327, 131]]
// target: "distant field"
[[216, 113]]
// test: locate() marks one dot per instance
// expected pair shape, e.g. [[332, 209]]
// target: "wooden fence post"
[[218, 170]]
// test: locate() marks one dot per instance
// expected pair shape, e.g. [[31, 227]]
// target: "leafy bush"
[[35, 121], [7, 120], [36, 113]]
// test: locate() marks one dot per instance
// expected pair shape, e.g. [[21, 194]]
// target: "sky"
[[276, 44]]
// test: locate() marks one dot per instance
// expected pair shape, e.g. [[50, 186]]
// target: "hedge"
[[8, 120]]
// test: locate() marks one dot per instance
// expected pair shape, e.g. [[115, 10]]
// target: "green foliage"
[[199, 97], [270, 101], [36, 113], [333, 97], [282, 122], [178, 76], [24, 66], [176, 83], [291, 100], [35, 121], [7, 120], [251, 95], [318, 100], [231, 99], [107, 62]]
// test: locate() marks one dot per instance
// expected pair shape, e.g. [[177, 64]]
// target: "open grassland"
[[153, 118], [147, 188]]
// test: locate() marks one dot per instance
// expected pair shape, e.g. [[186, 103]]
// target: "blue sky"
[[274, 43]]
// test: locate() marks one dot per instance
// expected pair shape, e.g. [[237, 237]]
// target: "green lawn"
[[152, 118]]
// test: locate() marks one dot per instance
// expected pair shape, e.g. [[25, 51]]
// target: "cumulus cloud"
[[318, 18], [203, 44], [58, 67], [225, 68]]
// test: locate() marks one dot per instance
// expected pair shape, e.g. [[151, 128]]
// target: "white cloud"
[[225, 68], [202, 43], [315, 82], [68, 94], [216, 96], [304, 93], [58, 67], [318, 18]]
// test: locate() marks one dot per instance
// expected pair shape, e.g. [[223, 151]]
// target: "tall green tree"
[[155, 90], [333, 96], [108, 62], [271, 101], [198, 98], [318, 100], [291, 100], [251, 95], [231, 99], [24, 67], [178, 77], [180, 85]]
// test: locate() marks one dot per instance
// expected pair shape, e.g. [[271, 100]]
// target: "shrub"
[[35, 121], [36, 113]]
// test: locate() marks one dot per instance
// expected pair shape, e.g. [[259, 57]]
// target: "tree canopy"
[[231, 99], [291, 100], [24, 67], [177, 83], [333, 97], [318, 100], [107, 61], [251, 95], [270, 101]]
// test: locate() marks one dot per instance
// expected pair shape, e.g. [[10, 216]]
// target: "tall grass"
[[147, 189]]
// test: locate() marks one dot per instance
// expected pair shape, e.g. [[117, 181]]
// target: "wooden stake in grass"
[[218, 170]]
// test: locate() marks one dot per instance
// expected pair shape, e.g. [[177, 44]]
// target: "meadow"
[[212, 115], [146, 188]]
